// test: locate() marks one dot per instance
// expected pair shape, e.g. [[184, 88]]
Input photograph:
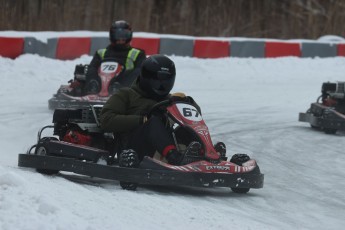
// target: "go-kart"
[[328, 112], [79, 93], [80, 146]]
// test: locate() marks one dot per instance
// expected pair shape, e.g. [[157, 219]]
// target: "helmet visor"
[[163, 75], [162, 83], [159, 75], [121, 34]]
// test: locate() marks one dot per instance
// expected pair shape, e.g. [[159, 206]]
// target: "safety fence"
[[68, 48]]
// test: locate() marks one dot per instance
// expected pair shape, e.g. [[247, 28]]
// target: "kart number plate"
[[189, 112], [109, 67]]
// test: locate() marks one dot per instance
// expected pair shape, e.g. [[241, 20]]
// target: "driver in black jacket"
[[125, 113]]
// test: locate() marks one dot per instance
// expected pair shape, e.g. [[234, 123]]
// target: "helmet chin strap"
[[116, 45], [120, 42], [158, 97]]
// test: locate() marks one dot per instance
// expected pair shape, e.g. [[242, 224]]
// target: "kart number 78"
[[109, 67]]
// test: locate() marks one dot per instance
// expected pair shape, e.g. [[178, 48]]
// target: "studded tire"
[[128, 158], [239, 159], [42, 148], [329, 131]]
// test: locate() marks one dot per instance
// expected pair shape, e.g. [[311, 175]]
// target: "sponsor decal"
[[218, 167], [201, 128]]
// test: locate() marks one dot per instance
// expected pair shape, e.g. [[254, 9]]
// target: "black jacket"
[[124, 110], [119, 54]]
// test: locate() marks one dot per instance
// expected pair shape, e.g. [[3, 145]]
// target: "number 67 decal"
[[189, 112]]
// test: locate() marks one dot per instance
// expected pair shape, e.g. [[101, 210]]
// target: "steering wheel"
[[159, 108]]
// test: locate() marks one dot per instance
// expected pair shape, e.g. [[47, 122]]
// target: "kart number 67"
[[189, 112]]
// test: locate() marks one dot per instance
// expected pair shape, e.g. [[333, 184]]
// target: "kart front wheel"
[[239, 159]]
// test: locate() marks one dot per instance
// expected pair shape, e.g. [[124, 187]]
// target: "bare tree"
[[227, 18]]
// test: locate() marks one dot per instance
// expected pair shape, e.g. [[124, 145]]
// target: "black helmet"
[[157, 76], [120, 30]]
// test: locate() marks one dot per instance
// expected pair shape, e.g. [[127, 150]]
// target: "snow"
[[250, 104]]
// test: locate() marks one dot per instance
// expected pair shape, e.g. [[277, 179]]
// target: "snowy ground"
[[250, 104]]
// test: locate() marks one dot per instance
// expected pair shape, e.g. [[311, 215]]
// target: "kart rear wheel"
[[239, 159], [240, 190], [330, 131], [313, 126], [128, 186], [128, 158], [42, 150]]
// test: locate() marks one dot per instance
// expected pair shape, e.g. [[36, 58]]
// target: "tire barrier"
[[68, 48]]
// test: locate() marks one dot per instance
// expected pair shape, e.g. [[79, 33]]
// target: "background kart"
[[80, 93], [327, 113]]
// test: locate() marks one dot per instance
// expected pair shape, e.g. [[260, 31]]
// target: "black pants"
[[150, 137]]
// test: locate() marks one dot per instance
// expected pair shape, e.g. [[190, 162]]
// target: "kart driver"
[[125, 113], [119, 50]]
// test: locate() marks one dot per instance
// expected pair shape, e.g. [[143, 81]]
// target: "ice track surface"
[[250, 104]]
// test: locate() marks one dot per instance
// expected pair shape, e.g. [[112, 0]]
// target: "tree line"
[[282, 19]]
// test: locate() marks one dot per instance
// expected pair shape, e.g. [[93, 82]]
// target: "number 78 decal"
[[109, 67]]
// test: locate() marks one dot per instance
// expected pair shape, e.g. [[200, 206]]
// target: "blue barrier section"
[[51, 47], [245, 49], [178, 47], [319, 50], [98, 43], [34, 46]]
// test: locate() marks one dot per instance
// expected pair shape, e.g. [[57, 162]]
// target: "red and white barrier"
[[65, 48]]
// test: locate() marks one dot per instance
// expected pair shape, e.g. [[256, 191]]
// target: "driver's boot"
[[193, 149], [174, 157], [192, 153]]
